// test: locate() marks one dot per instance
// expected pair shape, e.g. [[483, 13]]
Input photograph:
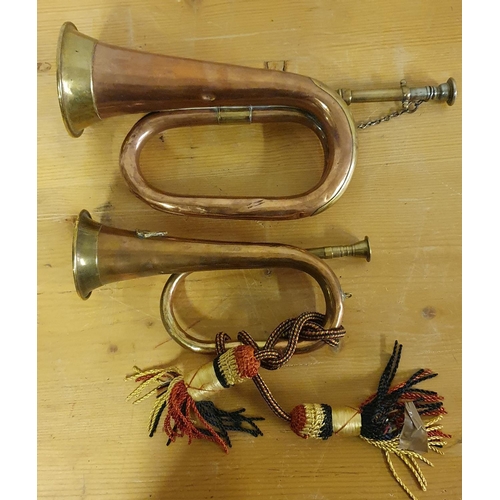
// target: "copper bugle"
[[97, 81], [104, 255]]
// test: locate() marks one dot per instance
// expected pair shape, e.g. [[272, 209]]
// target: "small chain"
[[408, 107]]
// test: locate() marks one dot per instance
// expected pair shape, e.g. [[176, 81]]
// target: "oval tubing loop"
[[184, 339], [225, 206]]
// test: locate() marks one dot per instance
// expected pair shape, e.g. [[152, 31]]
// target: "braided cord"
[[270, 399], [306, 326]]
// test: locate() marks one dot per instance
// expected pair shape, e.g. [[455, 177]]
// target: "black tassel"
[[223, 421], [382, 416]]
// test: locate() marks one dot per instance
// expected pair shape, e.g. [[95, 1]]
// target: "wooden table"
[[405, 194]]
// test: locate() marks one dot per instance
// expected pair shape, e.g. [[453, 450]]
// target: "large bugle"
[[104, 255], [97, 81]]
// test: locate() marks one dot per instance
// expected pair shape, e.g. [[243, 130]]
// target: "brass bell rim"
[[79, 277], [75, 54], [66, 28]]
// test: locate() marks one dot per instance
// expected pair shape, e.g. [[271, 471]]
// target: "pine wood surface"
[[405, 195]]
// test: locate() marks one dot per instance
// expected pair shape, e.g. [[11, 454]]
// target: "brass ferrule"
[[234, 114]]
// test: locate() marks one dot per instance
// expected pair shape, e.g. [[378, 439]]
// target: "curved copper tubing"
[[335, 178], [103, 255], [183, 338]]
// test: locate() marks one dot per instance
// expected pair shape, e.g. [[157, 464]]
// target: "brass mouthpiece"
[[360, 249], [444, 92]]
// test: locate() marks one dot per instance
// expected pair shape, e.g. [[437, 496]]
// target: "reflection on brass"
[[98, 81], [103, 255], [150, 234]]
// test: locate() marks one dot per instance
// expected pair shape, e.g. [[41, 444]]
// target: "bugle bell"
[[104, 255], [97, 81]]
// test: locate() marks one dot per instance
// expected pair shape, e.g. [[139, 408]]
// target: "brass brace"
[[234, 114]]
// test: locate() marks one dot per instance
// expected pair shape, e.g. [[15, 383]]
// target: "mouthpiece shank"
[[444, 92], [360, 249]]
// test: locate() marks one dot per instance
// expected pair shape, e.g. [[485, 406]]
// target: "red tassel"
[[180, 409]]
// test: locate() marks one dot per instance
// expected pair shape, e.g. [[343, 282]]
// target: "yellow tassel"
[[155, 376], [408, 457]]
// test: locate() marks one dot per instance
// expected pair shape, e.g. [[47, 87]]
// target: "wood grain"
[[405, 194]]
